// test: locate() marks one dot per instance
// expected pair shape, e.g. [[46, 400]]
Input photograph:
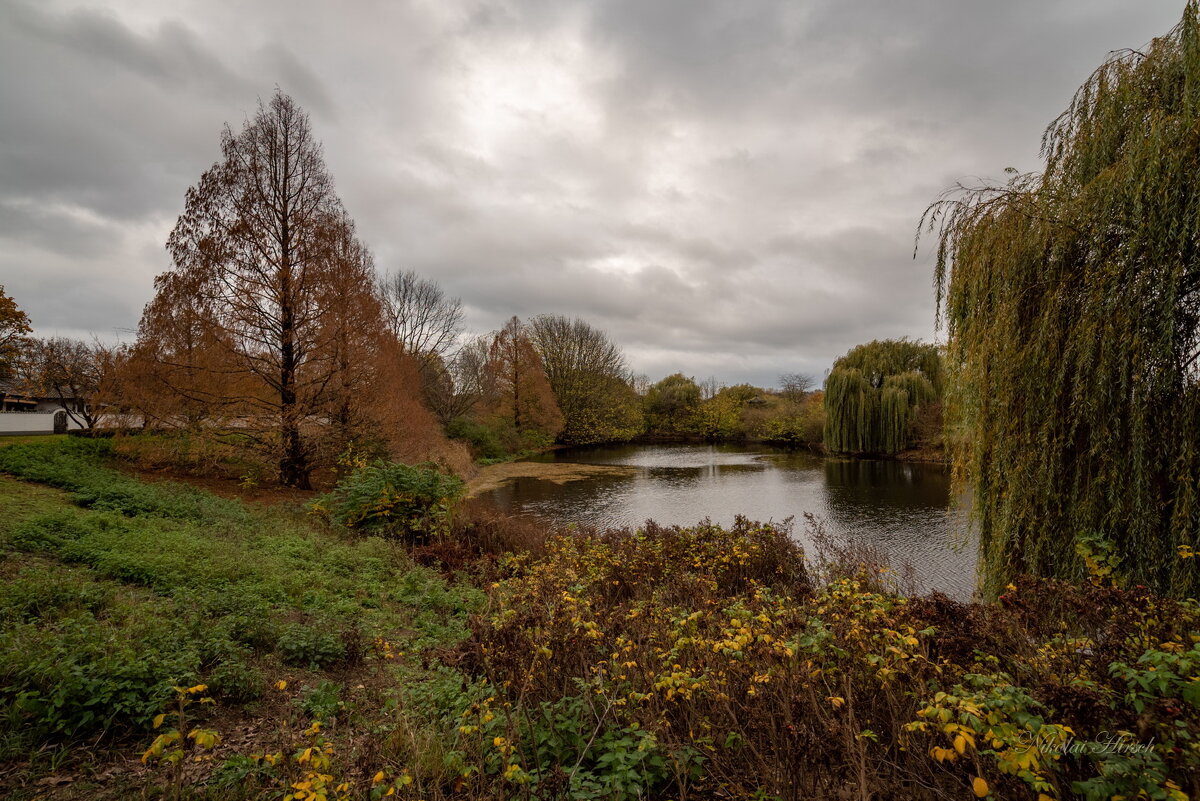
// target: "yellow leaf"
[[158, 719], [979, 786], [836, 701], [942, 754], [281, 685], [379, 777], [960, 744]]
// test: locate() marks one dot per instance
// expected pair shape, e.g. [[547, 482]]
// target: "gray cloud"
[[728, 189]]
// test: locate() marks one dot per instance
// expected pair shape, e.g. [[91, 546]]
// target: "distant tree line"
[[680, 407]]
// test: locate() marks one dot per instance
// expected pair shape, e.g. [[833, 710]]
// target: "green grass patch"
[[31, 439], [112, 590], [76, 465]]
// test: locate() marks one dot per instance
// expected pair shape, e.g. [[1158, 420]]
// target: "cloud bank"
[[728, 189]]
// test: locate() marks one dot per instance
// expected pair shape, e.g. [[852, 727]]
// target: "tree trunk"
[[293, 466]]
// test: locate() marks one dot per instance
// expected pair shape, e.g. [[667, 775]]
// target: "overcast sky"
[[726, 187]]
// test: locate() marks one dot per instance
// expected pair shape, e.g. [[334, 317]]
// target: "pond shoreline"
[[902, 507], [497, 475], [494, 476]]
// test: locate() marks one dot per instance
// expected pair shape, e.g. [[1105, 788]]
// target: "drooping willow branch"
[[1071, 308]]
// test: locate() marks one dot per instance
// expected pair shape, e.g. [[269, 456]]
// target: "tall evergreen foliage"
[[873, 393], [1072, 300]]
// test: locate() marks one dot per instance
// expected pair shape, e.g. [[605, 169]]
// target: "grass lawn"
[[31, 439], [114, 591]]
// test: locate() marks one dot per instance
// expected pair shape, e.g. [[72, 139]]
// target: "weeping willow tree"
[[1072, 299], [873, 393]]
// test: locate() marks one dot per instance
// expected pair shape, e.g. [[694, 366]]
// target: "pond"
[[902, 509]]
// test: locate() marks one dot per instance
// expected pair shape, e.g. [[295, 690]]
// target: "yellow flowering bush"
[[713, 651]]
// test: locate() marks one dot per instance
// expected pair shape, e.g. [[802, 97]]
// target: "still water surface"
[[901, 508]]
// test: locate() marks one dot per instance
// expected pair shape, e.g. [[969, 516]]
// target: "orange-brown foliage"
[[518, 389]]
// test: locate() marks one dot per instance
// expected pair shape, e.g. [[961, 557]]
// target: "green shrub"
[[84, 679], [409, 502], [240, 770], [485, 441], [307, 646], [39, 592], [323, 702], [166, 556], [613, 761], [235, 679], [50, 533]]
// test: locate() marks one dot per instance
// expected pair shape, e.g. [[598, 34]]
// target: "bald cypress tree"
[[873, 393], [269, 319], [1072, 299]]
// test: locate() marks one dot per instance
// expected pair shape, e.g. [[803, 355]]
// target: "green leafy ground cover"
[[113, 591], [159, 641]]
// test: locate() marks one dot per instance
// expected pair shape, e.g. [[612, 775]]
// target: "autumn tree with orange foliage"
[[14, 328], [269, 330], [177, 375], [517, 391], [349, 332]]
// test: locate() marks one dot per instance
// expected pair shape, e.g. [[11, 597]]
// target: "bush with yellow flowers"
[[708, 661]]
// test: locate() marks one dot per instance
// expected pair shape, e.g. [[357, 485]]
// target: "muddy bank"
[[494, 476]]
